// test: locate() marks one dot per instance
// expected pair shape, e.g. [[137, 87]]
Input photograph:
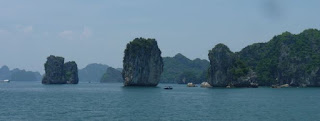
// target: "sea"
[[33, 101]]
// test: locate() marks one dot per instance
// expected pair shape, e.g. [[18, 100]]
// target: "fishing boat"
[[7, 81], [168, 87]]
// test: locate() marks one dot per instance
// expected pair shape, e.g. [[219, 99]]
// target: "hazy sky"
[[97, 31]]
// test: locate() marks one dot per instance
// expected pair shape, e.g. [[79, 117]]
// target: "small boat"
[[7, 81], [168, 87]]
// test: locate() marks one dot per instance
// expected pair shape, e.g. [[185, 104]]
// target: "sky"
[[97, 31]]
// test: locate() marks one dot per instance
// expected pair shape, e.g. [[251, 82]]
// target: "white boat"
[[7, 80], [167, 87]]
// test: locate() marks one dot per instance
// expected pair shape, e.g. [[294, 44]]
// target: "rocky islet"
[[142, 63], [292, 59], [58, 72]]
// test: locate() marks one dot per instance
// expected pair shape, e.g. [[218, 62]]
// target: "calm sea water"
[[34, 101]]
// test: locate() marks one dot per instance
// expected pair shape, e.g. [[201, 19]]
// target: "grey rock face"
[[142, 63], [227, 70], [71, 72], [56, 72], [221, 59], [248, 80]]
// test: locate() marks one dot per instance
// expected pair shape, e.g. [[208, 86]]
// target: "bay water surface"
[[111, 101]]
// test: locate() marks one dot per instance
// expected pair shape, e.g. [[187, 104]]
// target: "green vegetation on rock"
[[92, 72], [142, 63], [180, 69], [226, 69], [287, 59], [112, 75], [71, 72], [58, 72], [292, 59]]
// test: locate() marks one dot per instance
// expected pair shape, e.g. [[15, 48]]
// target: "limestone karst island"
[[159, 60], [286, 60], [142, 63], [58, 72]]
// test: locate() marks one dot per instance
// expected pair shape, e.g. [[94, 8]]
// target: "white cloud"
[[86, 33], [28, 29], [24, 29], [70, 34], [67, 34]]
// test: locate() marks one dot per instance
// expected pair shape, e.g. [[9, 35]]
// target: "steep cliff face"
[[112, 75], [221, 60], [71, 72], [292, 59], [142, 63], [226, 69], [56, 72]]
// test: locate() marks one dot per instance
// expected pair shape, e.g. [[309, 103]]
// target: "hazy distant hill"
[[180, 69], [92, 72], [119, 69], [18, 75], [112, 75]]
